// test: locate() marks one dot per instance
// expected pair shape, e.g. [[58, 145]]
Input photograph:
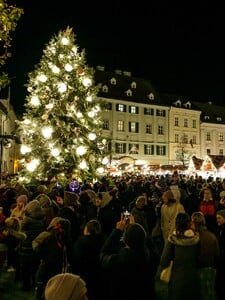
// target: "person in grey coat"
[[182, 247]]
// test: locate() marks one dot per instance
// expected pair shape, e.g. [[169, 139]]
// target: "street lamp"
[[5, 142]]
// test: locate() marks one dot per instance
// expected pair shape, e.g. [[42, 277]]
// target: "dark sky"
[[179, 47]]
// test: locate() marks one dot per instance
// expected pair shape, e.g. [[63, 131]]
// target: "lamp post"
[[4, 142]]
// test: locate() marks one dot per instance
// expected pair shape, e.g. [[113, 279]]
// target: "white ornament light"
[[55, 70], [105, 161], [55, 152], [92, 136], [42, 78], [87, 82], [83, 164], [35, 101], [81, 150], [24, 149], [31, 166], [64, 41], [68, 68], [62, 87], [47, 132]]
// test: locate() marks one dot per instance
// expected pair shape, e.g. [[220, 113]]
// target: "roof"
[[126, 87]]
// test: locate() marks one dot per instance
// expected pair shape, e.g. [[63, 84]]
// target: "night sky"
[[179, 47]]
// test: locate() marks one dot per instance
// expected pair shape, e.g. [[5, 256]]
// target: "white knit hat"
[[65, 286]]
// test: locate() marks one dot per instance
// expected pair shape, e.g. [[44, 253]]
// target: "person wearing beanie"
[[126, 256], [135, 236], [220, 287], [19, 210], [70, 199], [66, 286]]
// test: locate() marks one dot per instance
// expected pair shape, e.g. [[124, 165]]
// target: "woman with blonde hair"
[[169, 210]]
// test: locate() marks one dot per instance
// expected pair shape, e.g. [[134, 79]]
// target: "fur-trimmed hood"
[[187, 239]]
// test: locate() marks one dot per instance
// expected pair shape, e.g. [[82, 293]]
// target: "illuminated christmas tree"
[[61, 128]]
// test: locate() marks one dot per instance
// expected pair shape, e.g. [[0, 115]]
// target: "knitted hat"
[[222, 194], [221, 213], [65, 286], [70, 199], [34, 210], [44, 200], [22, 198], [135, 236]]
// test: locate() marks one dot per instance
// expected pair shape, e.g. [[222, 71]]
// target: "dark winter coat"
[[86, 263], [129, 271], [185, 283]]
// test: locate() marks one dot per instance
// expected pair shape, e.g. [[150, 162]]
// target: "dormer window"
[[133, 85], [113, 81], [219, 119], [187, 104], [151, 96], [206, 117], [129, 93], [105, 88], [178, 103]]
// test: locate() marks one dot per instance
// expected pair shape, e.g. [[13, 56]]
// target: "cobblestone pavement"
[[11, 290]]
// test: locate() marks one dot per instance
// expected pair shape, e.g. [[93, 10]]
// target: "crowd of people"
[[113, 237]]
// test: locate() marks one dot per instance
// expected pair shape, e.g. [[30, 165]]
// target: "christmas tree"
[[61, 128]]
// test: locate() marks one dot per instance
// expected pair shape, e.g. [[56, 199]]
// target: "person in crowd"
[[182, 247], [208, 256], [50, 208], [221, 203], [169, 210], [66, 286], [127, 262], [19, 210], [70, 211], [85, 258], [208, 207], [9, 198], [28, 261], [3, 246], [21, 190], [13, 235], [220, 286], [50, 246], [139, 213]]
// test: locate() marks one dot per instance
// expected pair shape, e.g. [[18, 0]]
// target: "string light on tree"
[[61, 127]]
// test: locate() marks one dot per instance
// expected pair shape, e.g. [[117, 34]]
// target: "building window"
[[160, 150], [121, 107], [176, 121], [108, 106], [208, 136], [133, 109], [151, 96], [133, 148], [120, 125], [133, 85], [133, 127], [120, 148], [176, 138], [220, 137], [208, 151], [194, 140], [113, 81], [148, 128], [160, 129], [160, 113], [105, 124], [221, 152], [194, 123], [185, 139], [149, 149], [149, 111], [185, 122]]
